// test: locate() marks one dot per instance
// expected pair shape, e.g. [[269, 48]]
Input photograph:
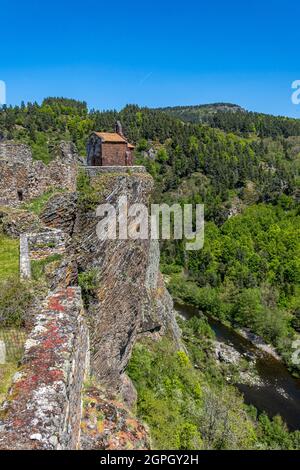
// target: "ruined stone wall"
[[43, 409], [15, 152], [38, 246], [44, 244], [22, 179]]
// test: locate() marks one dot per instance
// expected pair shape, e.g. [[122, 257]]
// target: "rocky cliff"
[[124, 297], [127, 296], [124, 292]]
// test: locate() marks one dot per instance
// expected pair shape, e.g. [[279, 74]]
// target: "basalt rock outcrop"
[[126, 297], [60, 212]]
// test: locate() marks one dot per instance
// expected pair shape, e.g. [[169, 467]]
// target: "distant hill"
[[233, 118], [198, 113]]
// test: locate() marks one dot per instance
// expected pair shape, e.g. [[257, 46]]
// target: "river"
[[279, 392]]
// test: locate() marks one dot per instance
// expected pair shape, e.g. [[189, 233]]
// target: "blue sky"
[[157, 53]]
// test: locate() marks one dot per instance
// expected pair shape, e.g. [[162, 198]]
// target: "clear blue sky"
[[156, 53]]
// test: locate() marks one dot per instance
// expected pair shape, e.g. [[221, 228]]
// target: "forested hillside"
[[244, 167], [200, 164], [233, 118], [198, 113], [253, 255]]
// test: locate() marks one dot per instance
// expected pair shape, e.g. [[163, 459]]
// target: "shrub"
[[88, 196], [38, 266], [142, 145], [168, 389], [88, 282], [182, 411], [15, 299], [274, 434], [170, 268]]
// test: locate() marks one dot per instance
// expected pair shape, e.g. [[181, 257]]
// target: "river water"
[[279, 392]]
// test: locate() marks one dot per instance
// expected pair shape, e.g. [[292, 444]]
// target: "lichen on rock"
[[108, 425]]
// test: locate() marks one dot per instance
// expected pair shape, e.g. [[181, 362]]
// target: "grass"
[[14, 340], [15, 300], [38, 266], [37, 205], [7, 372], [10, 302], [9, 257]]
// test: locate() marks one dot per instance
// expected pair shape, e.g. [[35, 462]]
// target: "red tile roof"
[[111, 137]]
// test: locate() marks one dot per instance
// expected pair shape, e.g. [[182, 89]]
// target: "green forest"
[[233, 118], [187, 403], [244, 167]]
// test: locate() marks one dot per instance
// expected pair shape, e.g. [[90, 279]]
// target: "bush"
[[88, 196], [170, 268], [38, 266], [296, 320], [178, 405], [142, 145], [88, 282], [274, 434], [15, 299], [206, 299], [168, 388], [188, 408]]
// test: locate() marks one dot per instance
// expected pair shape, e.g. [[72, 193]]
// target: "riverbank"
[[259, 343], [266, 382], [246, 333]]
